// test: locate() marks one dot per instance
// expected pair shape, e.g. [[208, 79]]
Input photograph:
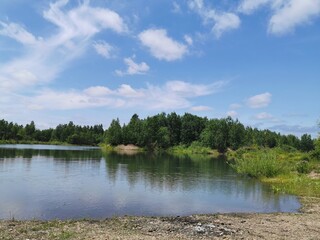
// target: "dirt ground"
[[303, 225]]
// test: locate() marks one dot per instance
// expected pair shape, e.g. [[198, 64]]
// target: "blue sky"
[[92, 61]]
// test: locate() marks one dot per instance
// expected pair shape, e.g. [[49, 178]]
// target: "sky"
[[93, 61]]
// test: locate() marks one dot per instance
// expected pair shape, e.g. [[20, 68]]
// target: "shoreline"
[[302, 225]]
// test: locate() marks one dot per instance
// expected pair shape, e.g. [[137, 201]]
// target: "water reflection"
[[174, 173], [48, 182]]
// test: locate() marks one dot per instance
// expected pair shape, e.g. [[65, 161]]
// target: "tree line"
[[160, 131], [168, 130], [63, 133]]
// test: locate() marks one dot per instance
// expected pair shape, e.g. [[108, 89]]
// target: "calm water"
[[48, 182]]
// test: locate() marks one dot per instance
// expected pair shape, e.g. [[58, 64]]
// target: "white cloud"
[[200, 108], [17, 32], [222, 21], [103, 48], [161, 46], [263, 116], [286, 15], [232, 114], [172, 95], [176, 7], [133, 67], [225, 22], [97, 91], [292, 14], [44, 58], [188, 40], [235, 106], [188, 89], [83, 20], [259, 101], [127, 91], [249, 6]]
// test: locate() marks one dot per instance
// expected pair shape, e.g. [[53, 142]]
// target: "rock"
[[211, 226], [199, 229]]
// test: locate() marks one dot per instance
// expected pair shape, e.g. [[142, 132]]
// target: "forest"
[[64, 133], [160, 131]]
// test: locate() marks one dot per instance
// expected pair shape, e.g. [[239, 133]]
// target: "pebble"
[[200, 229]]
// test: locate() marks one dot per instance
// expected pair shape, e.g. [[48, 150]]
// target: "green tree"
[[163, 137], [237, 134], [114, 133], [30, 130], [191, 128], [306, 143], [174, 127]]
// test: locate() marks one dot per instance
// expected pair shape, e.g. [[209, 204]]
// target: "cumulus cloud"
[[232, 114], [249, 6], [221, 21], [235, 106], [200, 108], [263, 116], [259, 101], [103, 48], [97, 91], [188, 39], [161, 46], [286, 15], [171, 95], [44, 58], [133, 67], [225, 22], [292, 14]]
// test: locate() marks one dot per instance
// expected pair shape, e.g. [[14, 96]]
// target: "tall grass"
[[262, 164], [285, 171], [300, 185], [194, 148]]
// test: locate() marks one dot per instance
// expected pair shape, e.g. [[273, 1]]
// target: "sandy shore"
[[303, 225]]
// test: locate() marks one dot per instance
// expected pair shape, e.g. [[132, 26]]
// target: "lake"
[[66, 182]]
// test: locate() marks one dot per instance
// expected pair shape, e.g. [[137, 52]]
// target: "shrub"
[[259, 165], [303, 167]]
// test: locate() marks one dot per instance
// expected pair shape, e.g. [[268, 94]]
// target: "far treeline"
[[170, 130], [63, 133], [161, 131]]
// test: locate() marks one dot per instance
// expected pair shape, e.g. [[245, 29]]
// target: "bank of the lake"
[[286, 170], [302, 225]]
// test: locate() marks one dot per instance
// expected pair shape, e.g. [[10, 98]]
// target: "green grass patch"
[[65, 235], [285, 171], [262, 163], [194, 148], [106, 147], [300, 185]]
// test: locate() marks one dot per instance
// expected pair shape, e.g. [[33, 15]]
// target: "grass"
[[265, 164], [300, 185], [286, 171], [192, 149]]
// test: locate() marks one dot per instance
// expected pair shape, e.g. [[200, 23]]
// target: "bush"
[[259, 165], [315, 154], [304, 167]]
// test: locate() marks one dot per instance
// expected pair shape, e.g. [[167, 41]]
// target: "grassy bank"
[[286, 170], [192, 149]]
